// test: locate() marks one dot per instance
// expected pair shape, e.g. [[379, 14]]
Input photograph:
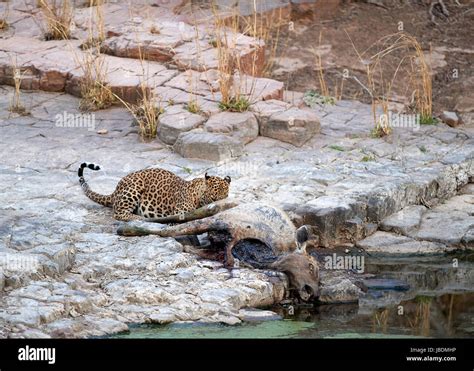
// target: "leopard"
[[155, 192]]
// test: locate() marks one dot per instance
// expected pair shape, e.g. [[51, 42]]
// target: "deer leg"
[[229, 260], [194, 227]]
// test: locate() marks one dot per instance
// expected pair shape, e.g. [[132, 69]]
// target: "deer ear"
[[227, 179], [206, 176]]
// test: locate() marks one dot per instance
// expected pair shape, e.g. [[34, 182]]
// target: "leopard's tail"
[[105, 200]]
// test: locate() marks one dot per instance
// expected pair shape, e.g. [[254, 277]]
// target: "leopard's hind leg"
[[126, 202]]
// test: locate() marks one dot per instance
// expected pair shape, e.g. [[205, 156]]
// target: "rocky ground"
[[89, 281], [65, 272]]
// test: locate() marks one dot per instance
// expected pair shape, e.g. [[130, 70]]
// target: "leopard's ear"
[[227, 179], [206, 176]]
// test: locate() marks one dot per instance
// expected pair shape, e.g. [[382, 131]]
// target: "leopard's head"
[[216, 189]]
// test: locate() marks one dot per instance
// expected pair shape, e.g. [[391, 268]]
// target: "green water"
[[440, 303]]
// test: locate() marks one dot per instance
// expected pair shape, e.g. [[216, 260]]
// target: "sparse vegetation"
[[155, 30], [193, 106], [95, 94], [325, 96], [96, 26], [381, 129], [239, 104], [58, 18], [411, 59], [15, 105], [187, 170], [367, 158], [312, 98], [234, 68], [3, 18], [146, 114], [428, 120], [337, 148]]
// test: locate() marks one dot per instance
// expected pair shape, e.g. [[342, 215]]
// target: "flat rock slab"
[[60, 66], [207, 146], [450, 223], [242, 126], [206, 84], [166, 96], [256, 315], [448, 229], [385, 284], [405, 221], [388, 243], [188, 47]]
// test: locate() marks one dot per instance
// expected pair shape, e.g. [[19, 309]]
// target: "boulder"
[[404, 221], [177, 120], [450, 118], [207, 146], [243, 126], [279, 120]]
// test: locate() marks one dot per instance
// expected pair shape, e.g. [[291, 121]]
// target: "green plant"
[[337, 148], [367, 158], [380, 130], [428, 120], [239, 104], [193, 106], [312, 98], [423, 149]]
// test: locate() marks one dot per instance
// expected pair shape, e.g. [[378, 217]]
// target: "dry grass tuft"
[[193, 106], [58, 16], [400, 52], [95, 94], [155, 30], [146, 112], [15, 105], [3, 20], [225, 32], [96, 27]]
